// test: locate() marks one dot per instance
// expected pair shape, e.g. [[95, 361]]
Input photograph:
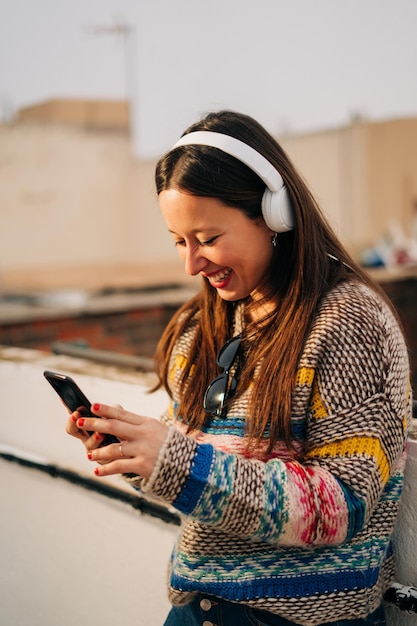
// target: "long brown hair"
[[307, 263]]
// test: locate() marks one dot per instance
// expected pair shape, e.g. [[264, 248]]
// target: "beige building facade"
[[72, 194], [364, 176]]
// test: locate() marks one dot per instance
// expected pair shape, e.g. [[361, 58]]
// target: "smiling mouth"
[[219, 277]]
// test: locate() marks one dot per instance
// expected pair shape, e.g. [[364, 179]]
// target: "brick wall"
[[129, 332], [403, 294]]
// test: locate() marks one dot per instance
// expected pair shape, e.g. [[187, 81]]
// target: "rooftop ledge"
[[52, 293], [34, 431]]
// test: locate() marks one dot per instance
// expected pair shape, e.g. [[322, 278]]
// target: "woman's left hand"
[[141, 439]]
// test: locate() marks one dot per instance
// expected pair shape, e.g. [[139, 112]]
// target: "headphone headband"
[[276, 205], [238, 149]]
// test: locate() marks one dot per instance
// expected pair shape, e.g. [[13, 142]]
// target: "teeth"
[[219, 277]]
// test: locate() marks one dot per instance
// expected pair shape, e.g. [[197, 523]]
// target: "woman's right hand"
[[90, 441]]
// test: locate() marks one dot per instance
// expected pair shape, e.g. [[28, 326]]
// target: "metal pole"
[[128, 33]]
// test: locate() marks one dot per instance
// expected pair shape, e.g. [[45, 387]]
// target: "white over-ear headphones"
[[276, 204]]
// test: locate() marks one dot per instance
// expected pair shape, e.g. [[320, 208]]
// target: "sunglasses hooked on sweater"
[[220, 390]]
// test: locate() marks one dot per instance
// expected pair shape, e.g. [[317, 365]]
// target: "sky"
[[295, 65]]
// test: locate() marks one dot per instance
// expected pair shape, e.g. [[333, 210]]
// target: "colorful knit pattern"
[[307, 539]]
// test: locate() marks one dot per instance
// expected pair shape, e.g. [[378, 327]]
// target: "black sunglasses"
[[219, 391]]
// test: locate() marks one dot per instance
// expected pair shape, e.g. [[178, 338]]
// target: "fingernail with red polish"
[[89, 455], [97, 471], [96, 407], [97, 436], [80, 422], [74, 418]]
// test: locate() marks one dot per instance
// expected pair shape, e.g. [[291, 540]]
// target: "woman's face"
[[219, 242]]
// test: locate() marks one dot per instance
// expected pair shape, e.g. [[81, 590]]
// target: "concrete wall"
[[71, 556], [74, 197], [391, 171], [364, 177], [319, 158], [104, 114]]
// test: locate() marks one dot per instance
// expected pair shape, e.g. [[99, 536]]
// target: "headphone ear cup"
[[277, 210]]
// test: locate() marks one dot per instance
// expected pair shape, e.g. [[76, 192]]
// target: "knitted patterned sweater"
[[306, 539]]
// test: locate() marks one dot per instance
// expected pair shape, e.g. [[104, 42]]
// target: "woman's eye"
[[209, 242]]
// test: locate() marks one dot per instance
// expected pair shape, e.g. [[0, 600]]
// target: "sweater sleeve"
[[354, 378]]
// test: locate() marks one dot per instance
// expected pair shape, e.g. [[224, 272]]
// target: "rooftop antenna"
[[127, 34]]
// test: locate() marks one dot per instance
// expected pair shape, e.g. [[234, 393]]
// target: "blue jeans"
[[206, 610]]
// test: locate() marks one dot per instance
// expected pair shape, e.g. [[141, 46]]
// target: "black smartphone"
[[73, 398]]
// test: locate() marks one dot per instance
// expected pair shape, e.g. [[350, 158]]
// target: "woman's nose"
[[194, 261]]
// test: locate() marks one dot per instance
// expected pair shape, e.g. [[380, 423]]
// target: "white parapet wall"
[[74, 556], [70, 555], [405, 538]]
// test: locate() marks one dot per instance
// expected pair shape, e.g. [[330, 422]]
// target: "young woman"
[[288, 377]]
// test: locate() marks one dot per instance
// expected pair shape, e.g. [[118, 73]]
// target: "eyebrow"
[[196, 231]]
